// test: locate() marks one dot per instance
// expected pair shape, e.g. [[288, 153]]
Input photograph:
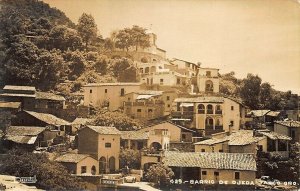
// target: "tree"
[[87, 28], [123, 39], [130, 158], [159, 174], [250, 90], [64, 38], [124, 70], [265, 94], [50, 175], [131, 37], [116, 119], [139, 37]]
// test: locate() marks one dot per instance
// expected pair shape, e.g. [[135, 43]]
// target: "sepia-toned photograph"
[[149, 95]]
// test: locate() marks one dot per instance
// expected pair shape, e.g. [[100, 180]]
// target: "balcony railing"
[[218, 112], [157, 102], [201, 111], [210, 111], [183, 114], [218, 127]]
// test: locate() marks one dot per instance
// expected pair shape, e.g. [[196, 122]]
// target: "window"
[[208, 73], [204, 173], [91, 91], [216, 173], [209, 109], [203, 150], [201, 109], [83, 169], [168, 98], [93, 170], [237, 175], [169, 105], [122, 92], [231, 123], [183, 136], [139, 110], [161, 81], [232, 108], [221, 150], [149, 110], [107, 145], [178, 80], [105, 91]]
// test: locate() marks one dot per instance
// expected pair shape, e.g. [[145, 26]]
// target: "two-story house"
[[110, 95], [102, 143]]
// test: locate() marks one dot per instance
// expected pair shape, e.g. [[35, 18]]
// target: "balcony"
[[218, 112], [201, 111], [210, 111], [144, 103], [183, 114]]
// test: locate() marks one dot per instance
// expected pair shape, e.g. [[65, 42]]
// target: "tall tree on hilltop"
[[265, 94], [87, 28], [250, 90], [139, 37], [131, 37]]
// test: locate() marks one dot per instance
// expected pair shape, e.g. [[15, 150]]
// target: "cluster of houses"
[[192, 128]]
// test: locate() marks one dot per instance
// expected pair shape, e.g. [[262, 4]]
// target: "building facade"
[[110, 95], [103, 143]]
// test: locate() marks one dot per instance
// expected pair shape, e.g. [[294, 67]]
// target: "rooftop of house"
[[112, 84], [204, 99], [49, 96], [81, 121], [13, 105], [275, 136], [290, 123], [237, 138], [175, 125], [24, 130], [105, 130], [48, 118], [273, 113], [17, 95], [134, 135], [258, 113], [71, 158], [23, 134], [22, 88], [148, 92], [226, 161]]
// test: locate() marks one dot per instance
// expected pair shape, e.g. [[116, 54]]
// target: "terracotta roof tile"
[[229, 161], [71, 157], [105, 130], [48, 118]]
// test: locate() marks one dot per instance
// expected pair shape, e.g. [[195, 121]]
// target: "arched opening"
[[209, 109], [155, 146], [152, 69], [147, 70], [144, 60], [209, 86], [218, 124], [102, 165], [201, 108], [112, 164], [218, 109], [141, 70], [209, 123], [93, 170]]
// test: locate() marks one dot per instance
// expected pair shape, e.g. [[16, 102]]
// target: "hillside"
[[41, 47]]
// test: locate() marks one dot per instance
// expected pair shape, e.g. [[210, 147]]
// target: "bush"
[[159, 174]]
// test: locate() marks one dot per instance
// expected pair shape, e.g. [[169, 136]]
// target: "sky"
[[245, 36]]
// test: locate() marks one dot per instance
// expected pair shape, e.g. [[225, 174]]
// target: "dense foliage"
[[159, 174], [49, 174], [257, 95], [117, 119], [130, 158]]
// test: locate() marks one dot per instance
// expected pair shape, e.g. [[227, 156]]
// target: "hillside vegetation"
[[40, 46]]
